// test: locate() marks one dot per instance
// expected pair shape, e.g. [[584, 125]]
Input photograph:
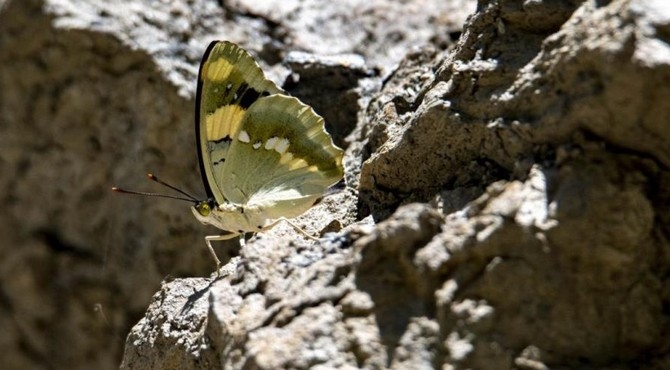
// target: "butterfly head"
[[203, 209]]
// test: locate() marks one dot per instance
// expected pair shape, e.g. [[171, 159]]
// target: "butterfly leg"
[[209, 239], [293, 225]]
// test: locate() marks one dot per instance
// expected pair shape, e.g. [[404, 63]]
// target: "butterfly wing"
[[257, 146], [282, 159], [229, 82]]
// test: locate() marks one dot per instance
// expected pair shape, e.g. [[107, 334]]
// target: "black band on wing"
[[198, 99]]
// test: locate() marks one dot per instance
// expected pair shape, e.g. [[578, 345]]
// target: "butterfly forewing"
[[229, 82]]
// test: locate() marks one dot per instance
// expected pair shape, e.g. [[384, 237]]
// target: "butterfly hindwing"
[[282, 159], [229, 82]]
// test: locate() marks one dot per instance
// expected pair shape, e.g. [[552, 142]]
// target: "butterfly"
[[264, 156]]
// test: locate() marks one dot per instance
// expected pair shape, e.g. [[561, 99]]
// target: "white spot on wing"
[[281, 146], [257, 145], [271, 143], [243, 137]]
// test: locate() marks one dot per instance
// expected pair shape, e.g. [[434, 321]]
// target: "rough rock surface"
[[506, 200]]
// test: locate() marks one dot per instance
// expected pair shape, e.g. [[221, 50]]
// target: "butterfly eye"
[[203, 208]]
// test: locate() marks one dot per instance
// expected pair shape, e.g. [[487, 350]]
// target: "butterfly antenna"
[[189, 197], [154, 178], [146, 194]]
